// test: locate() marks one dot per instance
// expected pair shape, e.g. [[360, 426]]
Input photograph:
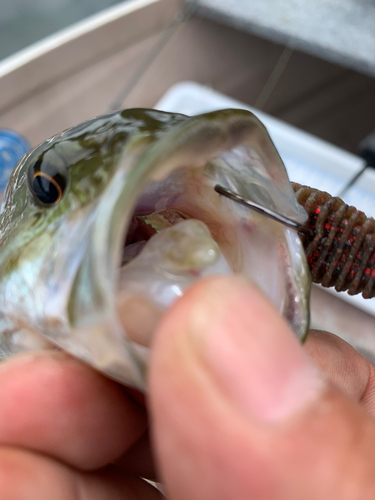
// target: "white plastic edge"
[[72, 32]]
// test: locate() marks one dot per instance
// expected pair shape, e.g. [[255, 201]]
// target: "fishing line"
[[269, 88], [275, 76], [352, 181], [367, 152], [181, 17]]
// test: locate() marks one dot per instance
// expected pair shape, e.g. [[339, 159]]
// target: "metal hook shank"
[[262, 210]]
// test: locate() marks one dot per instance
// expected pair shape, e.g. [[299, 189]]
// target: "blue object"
[[12, 147]]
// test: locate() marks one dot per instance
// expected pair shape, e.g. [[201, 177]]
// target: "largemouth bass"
[[104, 225]]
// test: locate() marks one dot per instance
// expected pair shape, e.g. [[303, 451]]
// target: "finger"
[[26, 476], [239, 410], [139, 460], [344, 366], [56, 405]]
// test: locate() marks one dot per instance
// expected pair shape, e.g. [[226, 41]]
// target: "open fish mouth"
[[158, 226], [167, 228]]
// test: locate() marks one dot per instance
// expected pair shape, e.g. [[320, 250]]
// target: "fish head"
[[104, 225]]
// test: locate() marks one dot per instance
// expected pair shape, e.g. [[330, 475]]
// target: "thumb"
[[239, 411]]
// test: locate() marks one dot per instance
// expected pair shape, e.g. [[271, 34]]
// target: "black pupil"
[[46, 178], [45, 190]]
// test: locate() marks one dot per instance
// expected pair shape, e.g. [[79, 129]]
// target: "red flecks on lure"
[[341, 248]]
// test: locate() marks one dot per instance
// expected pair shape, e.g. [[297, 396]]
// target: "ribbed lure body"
[[341, 249]]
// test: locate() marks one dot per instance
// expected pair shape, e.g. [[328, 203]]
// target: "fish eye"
[[46, 182]]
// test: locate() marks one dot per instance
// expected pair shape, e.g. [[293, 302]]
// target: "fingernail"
[[251, 353]]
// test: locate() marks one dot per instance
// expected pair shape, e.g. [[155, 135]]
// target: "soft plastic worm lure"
[[340, 249]]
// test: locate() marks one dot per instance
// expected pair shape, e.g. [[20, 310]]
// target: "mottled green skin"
[[87, 155], [31, 235]]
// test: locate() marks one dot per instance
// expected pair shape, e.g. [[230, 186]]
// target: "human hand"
[[62, 427], [237, 410]]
